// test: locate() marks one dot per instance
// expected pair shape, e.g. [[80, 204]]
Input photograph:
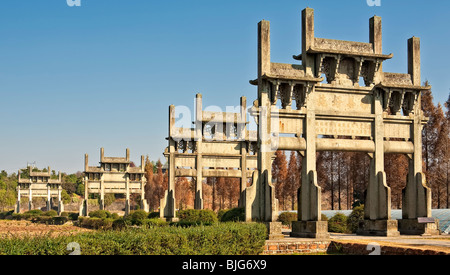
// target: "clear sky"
[[74, 79]]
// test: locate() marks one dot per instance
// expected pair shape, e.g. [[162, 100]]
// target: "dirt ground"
[[27, 228]]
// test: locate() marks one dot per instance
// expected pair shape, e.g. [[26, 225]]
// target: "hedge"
[[217, 239], [192, 216], [233, 215]]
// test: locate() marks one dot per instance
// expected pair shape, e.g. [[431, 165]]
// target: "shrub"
[[153, 222], [42, 219], [286, 218], [197, 216], [137, 216], [96, 223], [120, 224], [6, 215], [50, 213], [73, 216], [102, 214], [218, 239], [153, 215], [59, 220], [338, 223], [233, 215], [35, 212], [355, 218]]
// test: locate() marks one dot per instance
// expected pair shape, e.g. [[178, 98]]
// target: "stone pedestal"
[[274, 230], [386, 228], [310, 229], [413, 227]]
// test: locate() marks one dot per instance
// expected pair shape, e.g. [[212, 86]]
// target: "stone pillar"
[[60, 202], [198, 201], [308, 37], [310, 224], [167, 206], [242, 134], [17, 208], [127, 194], [377, 209], [84, 209], [416, 202], [49, 198], [264, 206], [102, 193], [414, 60], [30, 198], [144, 204]]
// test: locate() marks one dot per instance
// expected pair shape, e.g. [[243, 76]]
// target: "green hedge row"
[[217, 239]]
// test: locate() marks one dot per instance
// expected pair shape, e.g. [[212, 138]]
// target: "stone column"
[[310, 224], [49, 207], [264, 205], [377, 209], [127, 194], [102, 193], [17, 209], [84, 211], [167, 206], [60, 202], [199, 164], [416, 202], [30, 198]]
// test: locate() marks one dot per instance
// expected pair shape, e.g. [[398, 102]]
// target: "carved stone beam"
[[275, 91], [387, 99], [358, 64], [320, 58]]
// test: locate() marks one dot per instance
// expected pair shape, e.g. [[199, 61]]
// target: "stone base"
[[386, 228], [413, 227], [274, 231], [310, 229]]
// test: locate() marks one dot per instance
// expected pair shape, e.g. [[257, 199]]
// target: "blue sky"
[[74, 79]]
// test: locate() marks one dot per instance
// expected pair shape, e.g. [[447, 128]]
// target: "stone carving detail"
[[346, 72], [299, 95]]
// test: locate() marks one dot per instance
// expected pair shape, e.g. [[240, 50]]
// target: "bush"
[[59, 220], [153, 222], [355, 218], [338, 223], [42, 219], [233, 215], [286, 218], [73, 216], [218, 239], [120, 224], [96, 223], [197, 216], [50, 213], [6, 215], [137, 216], [153, 215], [101, 214], [35, 212]]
